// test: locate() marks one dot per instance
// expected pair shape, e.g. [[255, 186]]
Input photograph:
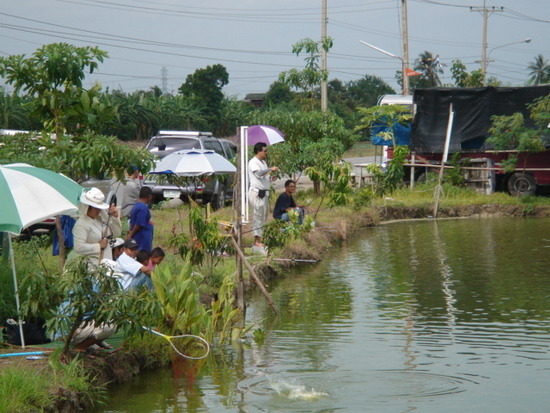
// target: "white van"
[[406, 100]]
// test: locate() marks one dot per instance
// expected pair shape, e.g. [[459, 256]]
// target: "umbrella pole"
[[16, 293], [61, 241]]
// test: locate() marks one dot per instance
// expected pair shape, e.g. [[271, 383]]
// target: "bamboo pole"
[[253, 274], [444, 159], [411, 179]]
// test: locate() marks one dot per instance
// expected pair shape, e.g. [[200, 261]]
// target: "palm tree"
[[539, 71], [430, 68]]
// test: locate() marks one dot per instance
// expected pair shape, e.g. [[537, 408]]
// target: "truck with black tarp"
[[474, 109]]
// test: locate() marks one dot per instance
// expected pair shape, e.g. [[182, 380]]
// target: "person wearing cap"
[[117, 248], [97, 223], [134, 274]]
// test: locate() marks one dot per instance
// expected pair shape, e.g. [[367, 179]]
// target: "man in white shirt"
[[258, 195], [134, 274]]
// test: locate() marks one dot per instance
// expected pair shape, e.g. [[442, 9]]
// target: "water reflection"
[[427, 316]]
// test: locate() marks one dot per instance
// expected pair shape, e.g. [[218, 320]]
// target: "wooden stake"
[[254, 276]]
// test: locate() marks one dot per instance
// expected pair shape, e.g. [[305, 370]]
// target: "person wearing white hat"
[[97, 223], [117, 248]]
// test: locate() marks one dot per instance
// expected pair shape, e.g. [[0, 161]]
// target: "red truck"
[[473, 109]]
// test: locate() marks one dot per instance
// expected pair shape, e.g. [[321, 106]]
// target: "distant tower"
[[164, 74]]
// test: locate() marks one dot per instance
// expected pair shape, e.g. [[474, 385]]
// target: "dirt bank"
[[325, 237]]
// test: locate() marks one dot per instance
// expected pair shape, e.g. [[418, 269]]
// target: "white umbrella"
[[30, 195], [194, 162]]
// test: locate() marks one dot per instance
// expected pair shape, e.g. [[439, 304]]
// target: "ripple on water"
[[290, 390]]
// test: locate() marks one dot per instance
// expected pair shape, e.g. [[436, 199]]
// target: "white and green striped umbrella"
[[30, 195]]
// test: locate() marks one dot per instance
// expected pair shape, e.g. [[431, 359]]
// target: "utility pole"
[[485, 12], [164, 79], [405, 40], [324, 94]]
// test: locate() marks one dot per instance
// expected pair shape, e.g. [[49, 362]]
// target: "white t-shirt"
[[129, 268], [255, 166]]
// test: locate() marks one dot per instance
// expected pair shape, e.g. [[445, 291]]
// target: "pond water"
[[450, 316]]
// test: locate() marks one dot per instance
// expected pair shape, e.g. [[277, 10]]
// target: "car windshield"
[[165, 143]]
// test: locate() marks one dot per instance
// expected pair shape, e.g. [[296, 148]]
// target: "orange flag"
[[410, 72]]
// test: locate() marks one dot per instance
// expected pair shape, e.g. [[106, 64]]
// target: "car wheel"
[[218, 200], [522, 184]]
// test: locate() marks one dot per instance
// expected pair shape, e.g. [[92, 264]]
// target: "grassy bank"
[[336, 224], [48, 384], [340, 223]]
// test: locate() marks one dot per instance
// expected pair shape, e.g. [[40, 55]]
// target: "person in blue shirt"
[[285, 203], [141, 227]]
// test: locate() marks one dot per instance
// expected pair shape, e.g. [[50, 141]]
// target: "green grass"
[[361, 149], [23, 389], [423, 194]]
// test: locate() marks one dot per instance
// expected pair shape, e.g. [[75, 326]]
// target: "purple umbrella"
[[263, 133]]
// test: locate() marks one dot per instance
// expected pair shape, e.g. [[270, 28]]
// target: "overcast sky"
[[253, 38]]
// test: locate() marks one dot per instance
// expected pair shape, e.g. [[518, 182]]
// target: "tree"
[[463, 78], [15, 112], [430, 69], [511, 132], [310, 78], [136, 119], [234, 114], [539, 70], [205, 87], [78, 157], [92, 110], [278, 93], [366, 91], [312, 138], [53, 75]]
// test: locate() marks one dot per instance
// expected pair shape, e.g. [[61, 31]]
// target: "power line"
[[440, 3], [52, 33], [229, 13], [236, 18], [260, 9], [525, 17], [144, 41]]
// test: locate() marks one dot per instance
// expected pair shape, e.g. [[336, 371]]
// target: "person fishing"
[[259, 176], [97, 223], [285, 204]]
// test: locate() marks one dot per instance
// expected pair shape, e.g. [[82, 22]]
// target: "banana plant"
[[179, 298]]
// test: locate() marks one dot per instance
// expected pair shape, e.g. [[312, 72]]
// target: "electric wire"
[[109, 36], [68, 36]]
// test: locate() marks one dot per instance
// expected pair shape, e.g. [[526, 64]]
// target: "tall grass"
[[75, 378], [423, 194], [7, 293], [31, 257], [24, 390]]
